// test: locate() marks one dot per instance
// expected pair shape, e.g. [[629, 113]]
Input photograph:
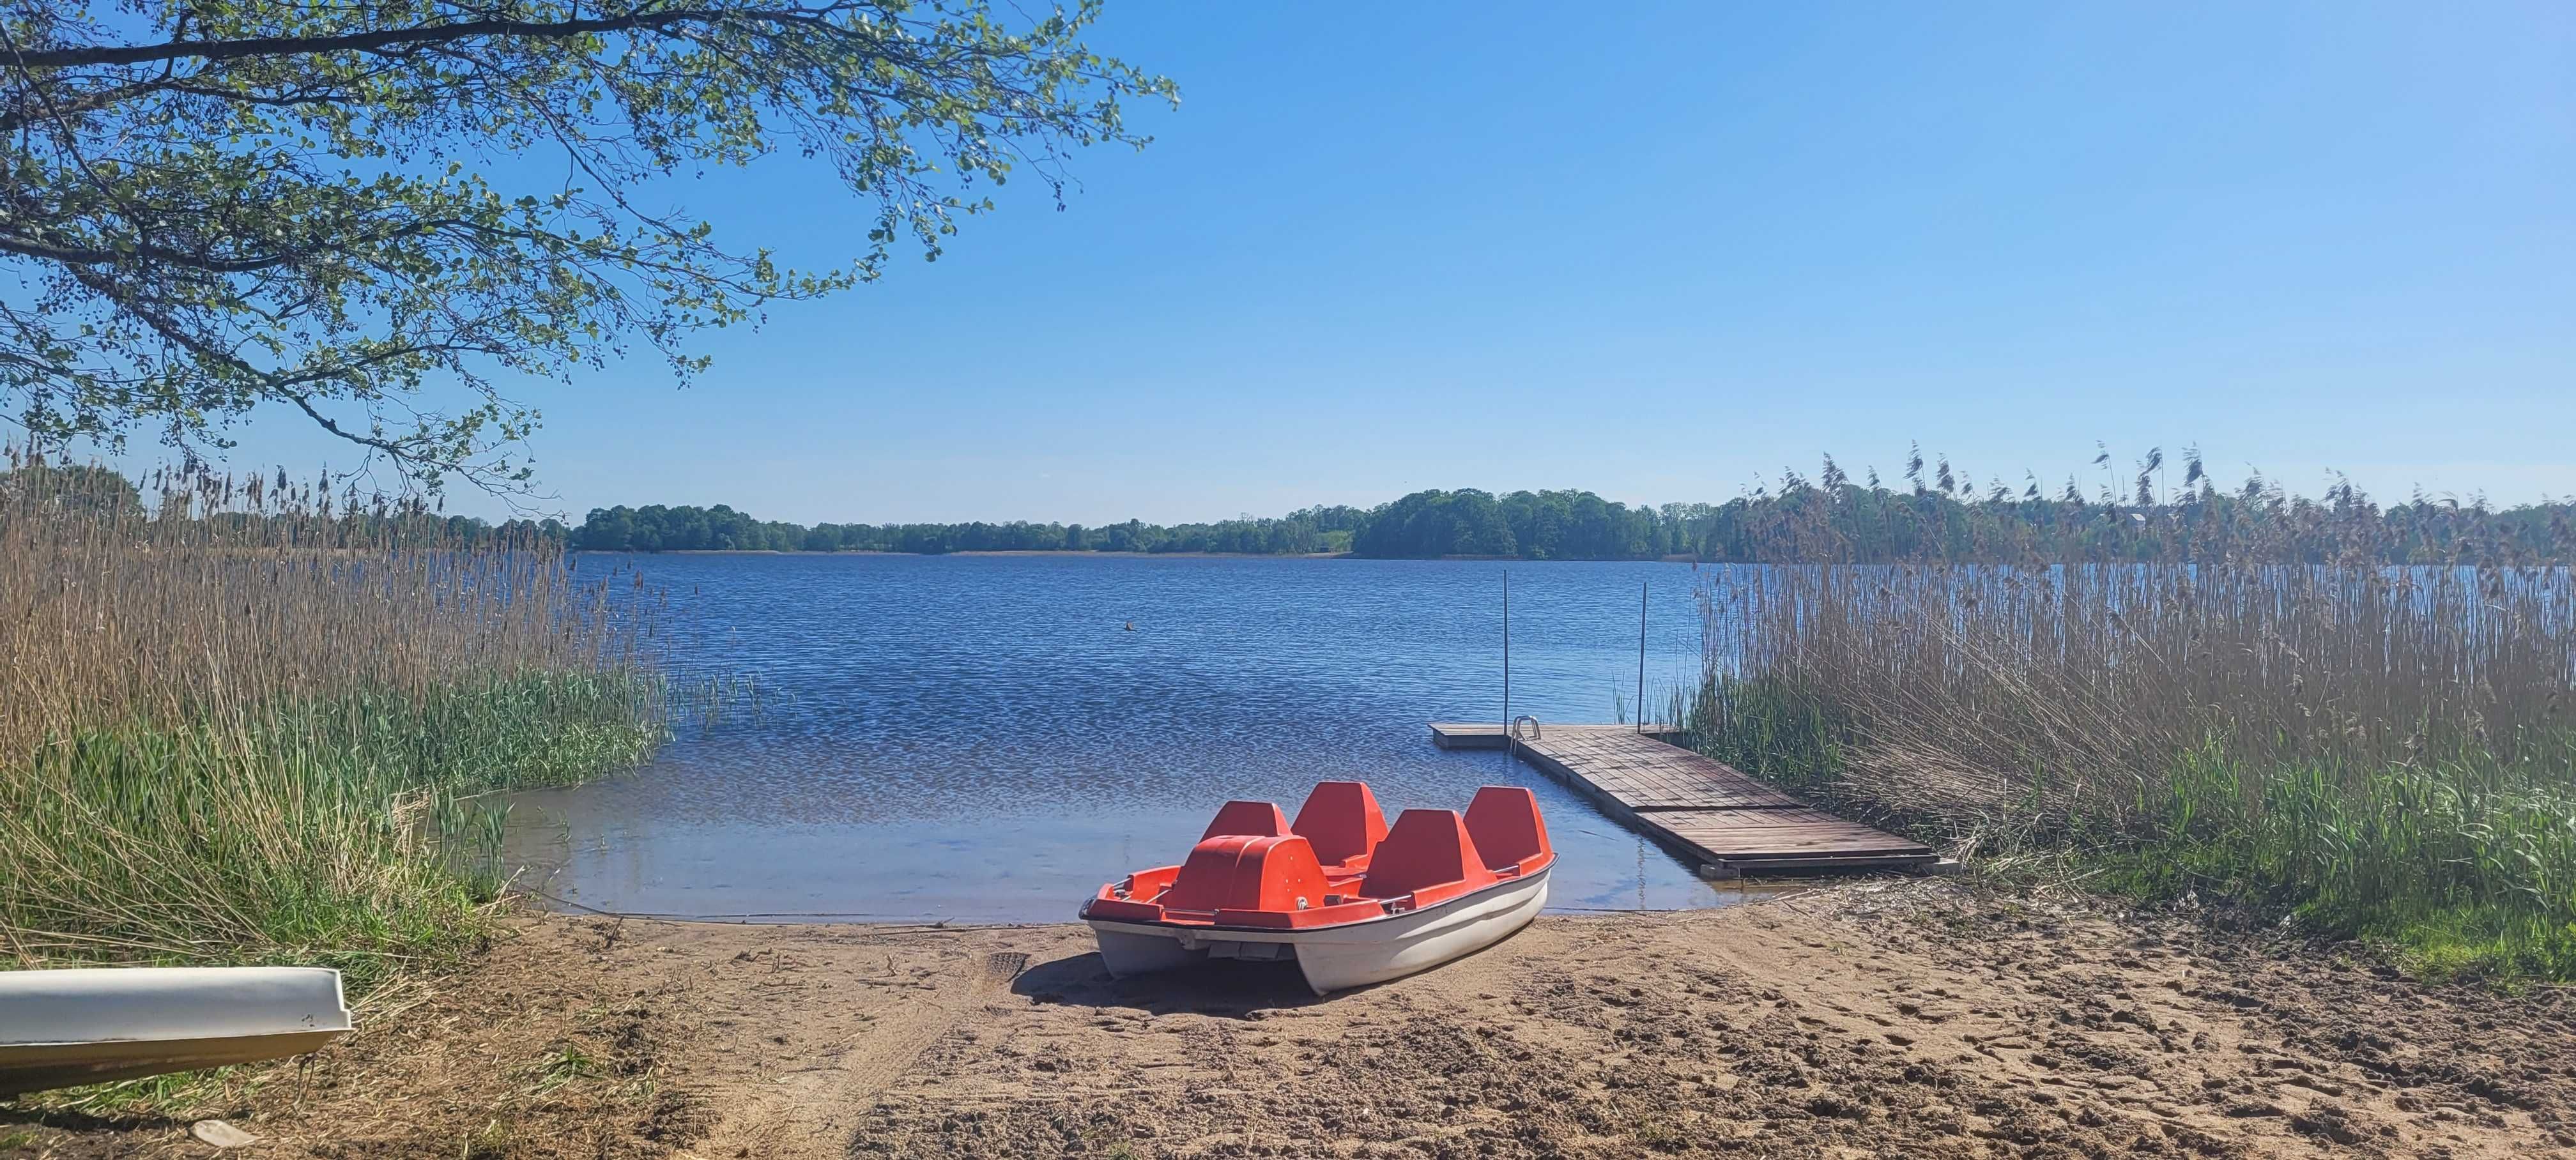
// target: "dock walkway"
[[1703, 809]]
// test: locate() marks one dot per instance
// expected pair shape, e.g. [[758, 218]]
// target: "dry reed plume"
[[227, 594]]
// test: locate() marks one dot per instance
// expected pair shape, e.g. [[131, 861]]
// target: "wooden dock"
[[1708, 812]]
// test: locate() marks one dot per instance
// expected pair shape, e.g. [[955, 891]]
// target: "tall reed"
[[247, 719], [2392, 751]]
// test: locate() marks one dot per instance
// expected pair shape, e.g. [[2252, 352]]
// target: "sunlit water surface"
[[986, 738]]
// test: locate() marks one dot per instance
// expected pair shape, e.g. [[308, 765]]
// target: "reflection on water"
[[984, 738]]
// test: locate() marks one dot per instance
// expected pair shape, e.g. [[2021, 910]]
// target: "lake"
[[989, 738]]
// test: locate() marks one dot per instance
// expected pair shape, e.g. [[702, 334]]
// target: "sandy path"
[[1875, 1019]]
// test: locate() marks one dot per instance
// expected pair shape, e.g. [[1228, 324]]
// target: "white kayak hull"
[[1335, 958], [59, 1028]]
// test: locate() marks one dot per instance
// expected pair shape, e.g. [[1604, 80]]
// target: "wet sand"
[[1875, 1018]]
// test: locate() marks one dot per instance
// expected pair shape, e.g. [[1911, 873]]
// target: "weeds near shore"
[[248, 720], [2389, 751]]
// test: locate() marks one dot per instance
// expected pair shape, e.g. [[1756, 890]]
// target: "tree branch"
[[70, 255], [383, 38], [404, 452]]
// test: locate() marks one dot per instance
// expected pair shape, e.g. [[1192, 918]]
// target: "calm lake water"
[[985, 738]]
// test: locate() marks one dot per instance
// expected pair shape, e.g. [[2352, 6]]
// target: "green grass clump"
[[2465, 865], [339, 831]]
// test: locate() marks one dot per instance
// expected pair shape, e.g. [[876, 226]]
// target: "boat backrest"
[[1505, 823], [1426, 848], [1341, 818], [1249, 819], [1236, 872]]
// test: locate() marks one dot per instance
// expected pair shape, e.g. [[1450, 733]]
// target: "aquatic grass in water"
[[251, 721], [338, 831], [2389, 752]]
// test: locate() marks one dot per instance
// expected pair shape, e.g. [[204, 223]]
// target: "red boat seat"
[[1341, 818], [1425, 852], [1249, 819], [1505, 823], [1236, 872]]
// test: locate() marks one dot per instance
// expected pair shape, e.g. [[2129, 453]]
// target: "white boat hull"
[[1340, 957], [89, 1025]]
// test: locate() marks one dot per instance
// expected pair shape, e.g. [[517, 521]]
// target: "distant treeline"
[[1935, 516], [655, 528]]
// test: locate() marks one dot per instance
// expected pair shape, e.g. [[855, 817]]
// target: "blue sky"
[[1658, 251]]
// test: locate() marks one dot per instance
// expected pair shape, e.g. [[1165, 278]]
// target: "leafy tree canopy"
[[219, 204]]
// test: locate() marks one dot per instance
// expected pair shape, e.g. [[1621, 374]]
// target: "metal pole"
[[1509, 745], [1641, 656]]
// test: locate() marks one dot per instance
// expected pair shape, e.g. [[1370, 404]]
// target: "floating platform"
[[1705, 810]]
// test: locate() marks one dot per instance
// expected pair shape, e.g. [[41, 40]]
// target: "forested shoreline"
[[657, 528], [1829, 520]]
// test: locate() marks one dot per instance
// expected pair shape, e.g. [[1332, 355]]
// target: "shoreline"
[[1864, 1017], [1156, 556]]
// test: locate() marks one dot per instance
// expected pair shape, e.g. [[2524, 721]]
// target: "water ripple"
[[985, 738]]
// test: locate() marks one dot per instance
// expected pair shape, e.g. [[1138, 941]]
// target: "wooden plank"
[[1480, 735], [1646, 774], [1791, 833], [1458, 735], [1701, 808], [1924, 862]]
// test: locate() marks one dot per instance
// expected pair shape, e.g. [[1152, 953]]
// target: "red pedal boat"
[[1351, 900]]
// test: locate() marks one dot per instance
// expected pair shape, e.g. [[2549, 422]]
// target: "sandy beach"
[[1866, 1019]]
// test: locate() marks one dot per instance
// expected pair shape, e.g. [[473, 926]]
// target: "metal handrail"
[[1514, 729]]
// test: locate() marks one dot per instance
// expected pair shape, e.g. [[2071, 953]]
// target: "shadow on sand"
[[1229, 990]]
